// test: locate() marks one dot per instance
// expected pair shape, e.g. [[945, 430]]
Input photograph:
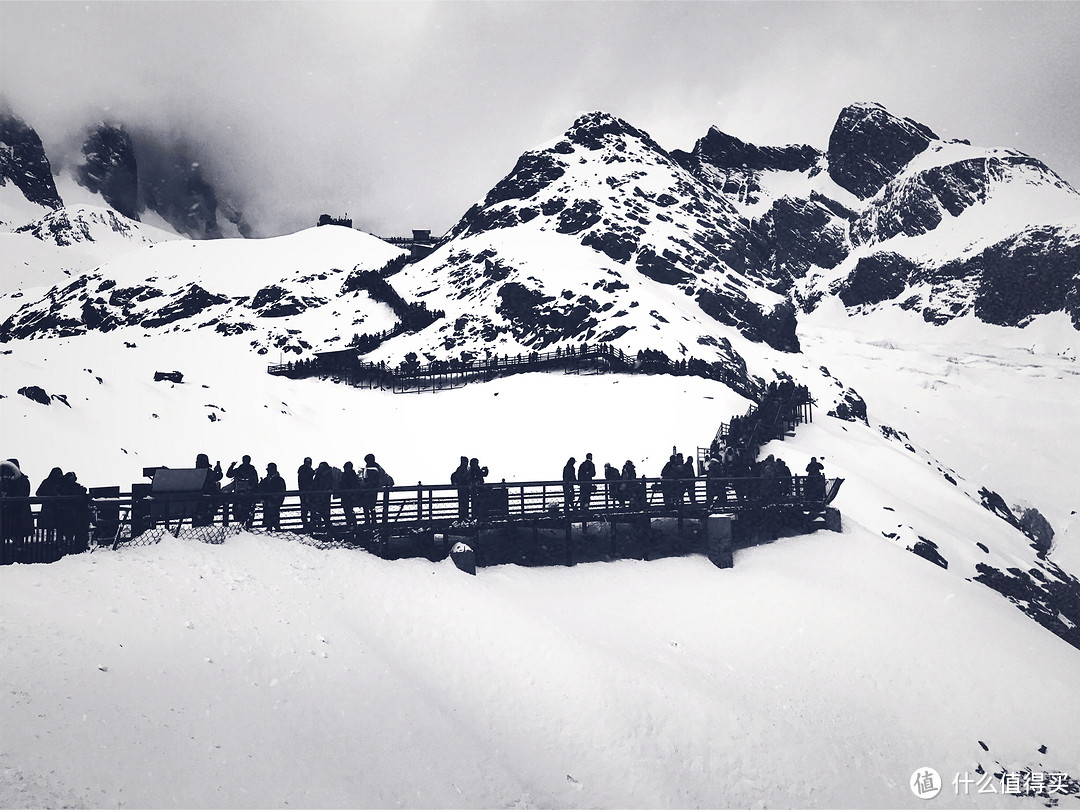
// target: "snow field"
[[820, 671]]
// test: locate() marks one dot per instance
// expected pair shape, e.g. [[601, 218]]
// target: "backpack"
[[376, 477]]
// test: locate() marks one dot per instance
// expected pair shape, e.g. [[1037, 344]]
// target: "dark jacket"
[[270, 487]]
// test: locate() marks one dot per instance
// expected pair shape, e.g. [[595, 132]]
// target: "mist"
[[402, 115]]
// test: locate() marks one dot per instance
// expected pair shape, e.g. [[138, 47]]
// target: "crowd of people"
[[354, 489], [68, 516], [731, 461]]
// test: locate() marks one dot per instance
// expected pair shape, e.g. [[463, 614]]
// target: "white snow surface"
[[821, 670]]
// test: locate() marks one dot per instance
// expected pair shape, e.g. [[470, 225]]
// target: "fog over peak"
[[404, 114]]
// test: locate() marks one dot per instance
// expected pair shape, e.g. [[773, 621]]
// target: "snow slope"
[[820, 671]]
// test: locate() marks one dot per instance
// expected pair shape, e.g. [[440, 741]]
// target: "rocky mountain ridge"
[[133, 174], [601, 235]]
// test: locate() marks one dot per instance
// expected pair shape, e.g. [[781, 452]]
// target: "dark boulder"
[[36, 394], [464, 558]]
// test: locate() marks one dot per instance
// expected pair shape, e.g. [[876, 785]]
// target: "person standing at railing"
[[477, 474], [629, 479], [460, 478], [614, 485], [204, 514], [321, 486], [49, 516], [569, 475], [714, 471], [272, 488], [374, 479], [670, 485], [74, 514], [689, 474], [16, 519], [245, 481], [586, 473], [305, 474], [814, 486], [349, 493]]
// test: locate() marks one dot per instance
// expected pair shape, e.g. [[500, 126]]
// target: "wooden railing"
[[393, 512]]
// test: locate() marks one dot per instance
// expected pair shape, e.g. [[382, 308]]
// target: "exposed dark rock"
[[665, 268], [23, 161], [776, 328], [851, 408], [109, 167], [192, 302], [533, 172], [1038, 528], [35, 393], [1054, 602], [225, 328], [876, 278], [579, 216], [799, 233], [598, 129], [615, 241], [170, 376], [869, 146], [123, 296], [1032, 273], [928, 550], [728, 152]]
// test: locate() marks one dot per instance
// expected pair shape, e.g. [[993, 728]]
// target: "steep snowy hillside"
[[599, 236], [281, 294]]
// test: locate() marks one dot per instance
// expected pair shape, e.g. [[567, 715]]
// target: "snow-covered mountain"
[[139, 177], [875, 272]]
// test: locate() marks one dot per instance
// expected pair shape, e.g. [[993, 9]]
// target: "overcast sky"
[[405, 114]]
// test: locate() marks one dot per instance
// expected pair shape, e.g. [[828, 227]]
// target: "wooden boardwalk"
[[421, 520]]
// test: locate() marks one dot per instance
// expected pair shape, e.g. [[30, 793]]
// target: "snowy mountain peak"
[[596, 130], [869, 146]]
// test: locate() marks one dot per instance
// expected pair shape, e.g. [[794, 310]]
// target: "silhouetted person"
[[460, 478], [74, 514], [272, 488], [586, 473], [349, 493], [321, 486], [629, 477], [815, 480], [614, 487], [305, 475], [16, 519], [569, 475], [49, 516], [689, 473], [374, 479], [670, 485], [477, 474], [714, 471], [245, 482], [207, 508]]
